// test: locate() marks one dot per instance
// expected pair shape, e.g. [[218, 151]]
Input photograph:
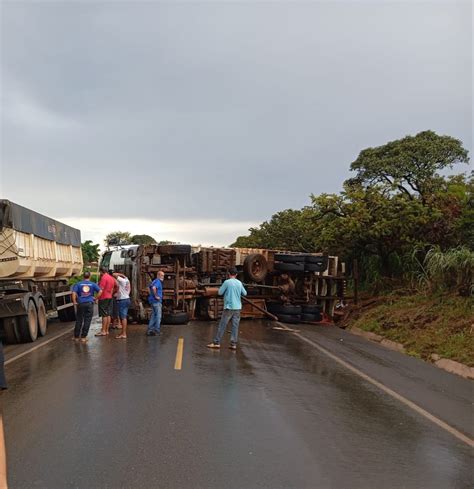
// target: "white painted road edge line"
[[395, 395], [34, 348]]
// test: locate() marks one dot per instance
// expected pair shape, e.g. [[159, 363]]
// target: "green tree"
[[142, 239], [118, 238], [410, 165], [90, 252]]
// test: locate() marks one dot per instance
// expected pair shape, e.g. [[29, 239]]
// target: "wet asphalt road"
[[275, 414]]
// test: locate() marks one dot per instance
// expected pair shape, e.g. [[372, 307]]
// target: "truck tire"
[[42, 317], [311, 309], [176, 318], [285, 309], [290, 319], [174, 249], [255, 267], [11, 331], [316, 263], [313, 318], [28, 324], [289, 267], [288, 258]]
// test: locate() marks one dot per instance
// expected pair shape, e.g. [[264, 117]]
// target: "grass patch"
[[424, 324]]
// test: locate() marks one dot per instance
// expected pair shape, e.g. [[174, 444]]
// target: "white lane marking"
[[396, 395], [34, 348]]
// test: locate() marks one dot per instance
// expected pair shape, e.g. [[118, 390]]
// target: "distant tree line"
[[397, 216]]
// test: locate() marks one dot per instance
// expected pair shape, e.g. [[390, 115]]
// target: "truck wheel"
[[289, 267], [312, 318], [42, 318], [288, 258], [311, 309], [255, 267], [316, 263], [176, 318], [11, 332], [28, 325], [174, 249], [285, 309], [286, 318]]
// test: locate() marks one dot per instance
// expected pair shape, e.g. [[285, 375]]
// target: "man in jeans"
[[83, 298], [155, 298], [232, 290]]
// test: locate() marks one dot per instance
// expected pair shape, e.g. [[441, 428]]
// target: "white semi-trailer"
[[38, 256]]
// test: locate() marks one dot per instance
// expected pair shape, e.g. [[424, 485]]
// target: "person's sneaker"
[[213, 345], [75, 339], [83, 340], [150, 333], [233, 346]]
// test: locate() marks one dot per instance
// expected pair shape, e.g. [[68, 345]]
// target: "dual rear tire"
[[27, 328]]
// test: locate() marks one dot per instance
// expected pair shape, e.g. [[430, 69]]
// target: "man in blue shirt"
[[155, 298], [232, 290], [83, 298]]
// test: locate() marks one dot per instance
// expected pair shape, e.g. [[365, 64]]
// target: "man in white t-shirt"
[[123, 301]]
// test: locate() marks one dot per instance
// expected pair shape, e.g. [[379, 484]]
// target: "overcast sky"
[[192, 121]]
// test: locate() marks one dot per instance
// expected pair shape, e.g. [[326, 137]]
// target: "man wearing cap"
[[232, 290]]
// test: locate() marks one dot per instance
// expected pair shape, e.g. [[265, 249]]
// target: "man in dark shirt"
[[83, 298]]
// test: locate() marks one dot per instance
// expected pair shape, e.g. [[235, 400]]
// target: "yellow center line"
[[179, 355]]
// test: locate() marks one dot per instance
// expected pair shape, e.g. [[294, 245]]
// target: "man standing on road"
[[155, 298], [107, 284], [114, 321], [123, 302], [232, 290], [83, 297]]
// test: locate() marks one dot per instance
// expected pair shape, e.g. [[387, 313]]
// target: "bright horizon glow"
[[205, 232]]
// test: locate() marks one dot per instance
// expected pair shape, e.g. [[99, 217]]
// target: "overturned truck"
[[292, 286]]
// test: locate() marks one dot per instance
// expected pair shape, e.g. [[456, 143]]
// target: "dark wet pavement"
[[275, 414]]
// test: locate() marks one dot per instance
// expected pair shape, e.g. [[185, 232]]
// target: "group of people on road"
[[115, 287], [112, 291]]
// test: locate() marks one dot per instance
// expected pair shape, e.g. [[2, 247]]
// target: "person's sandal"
[[121, 337], [101, 333]]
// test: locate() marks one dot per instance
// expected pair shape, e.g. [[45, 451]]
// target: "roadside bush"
[[451, 269]]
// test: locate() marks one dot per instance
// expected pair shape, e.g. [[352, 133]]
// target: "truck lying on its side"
[[300, 285], [38, 256]]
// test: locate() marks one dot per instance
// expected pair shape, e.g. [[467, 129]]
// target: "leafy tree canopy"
[[410, 165], [142, 239], [90, 252], [117, 238]]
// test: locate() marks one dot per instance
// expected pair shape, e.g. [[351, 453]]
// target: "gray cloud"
[[211, 111]]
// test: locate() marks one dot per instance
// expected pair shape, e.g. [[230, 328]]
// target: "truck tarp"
[[21, 219]]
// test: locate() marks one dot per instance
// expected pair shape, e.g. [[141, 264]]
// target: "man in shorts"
[[107, 284], [123, 302]]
